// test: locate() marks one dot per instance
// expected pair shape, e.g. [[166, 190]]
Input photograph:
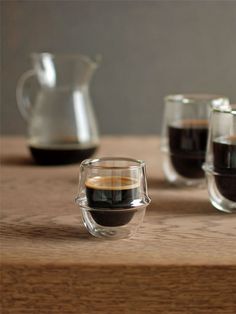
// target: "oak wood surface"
[[182, 260]]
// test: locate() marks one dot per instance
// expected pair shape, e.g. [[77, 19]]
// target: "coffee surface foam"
[[111, 183], [191, 123], [230, 140]]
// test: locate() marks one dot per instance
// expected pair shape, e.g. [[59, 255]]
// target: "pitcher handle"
[[22, 99]]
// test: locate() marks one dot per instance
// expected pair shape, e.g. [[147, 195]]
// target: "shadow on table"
[[180, 201], [159, 183], [57, 232], [17, 160], [162, 183], [182, 207]]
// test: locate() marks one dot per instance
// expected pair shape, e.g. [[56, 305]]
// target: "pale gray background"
[[149, 48]]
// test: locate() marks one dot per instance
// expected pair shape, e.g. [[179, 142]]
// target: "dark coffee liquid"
[[56, 156], [224, 150], [111, 195], [187, 144]]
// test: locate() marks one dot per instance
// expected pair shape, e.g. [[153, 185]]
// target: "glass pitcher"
[[62, 127]]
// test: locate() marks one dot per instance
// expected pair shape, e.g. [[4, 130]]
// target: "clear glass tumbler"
[[220, 165], [184, 136], [112, 196]]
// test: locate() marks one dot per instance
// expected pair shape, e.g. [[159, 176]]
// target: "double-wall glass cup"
[[220, 165], [112, 196], [184, 136]]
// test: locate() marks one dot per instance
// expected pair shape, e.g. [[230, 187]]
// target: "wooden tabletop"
[[182, 260]]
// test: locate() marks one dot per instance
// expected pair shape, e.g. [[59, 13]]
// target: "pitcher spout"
[[64, 70], [90, 67]]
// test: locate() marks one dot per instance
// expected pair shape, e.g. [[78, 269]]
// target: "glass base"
[[216, 198], [110, 232], [175, 178]]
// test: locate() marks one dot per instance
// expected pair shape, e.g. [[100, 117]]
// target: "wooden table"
[[183, 260]]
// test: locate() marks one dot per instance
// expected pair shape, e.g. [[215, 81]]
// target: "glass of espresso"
[[184, 136], [220, 165], [112, 196]]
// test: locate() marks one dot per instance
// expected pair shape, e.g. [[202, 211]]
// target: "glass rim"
[[231, 109], [192, 98], [209, 168], [137, 204], [67, 56], [91, 163], [113, 210]]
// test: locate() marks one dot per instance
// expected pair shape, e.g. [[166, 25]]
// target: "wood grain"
[[182, 260]]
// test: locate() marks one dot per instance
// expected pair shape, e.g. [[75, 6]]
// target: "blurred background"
[[149, 49]]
